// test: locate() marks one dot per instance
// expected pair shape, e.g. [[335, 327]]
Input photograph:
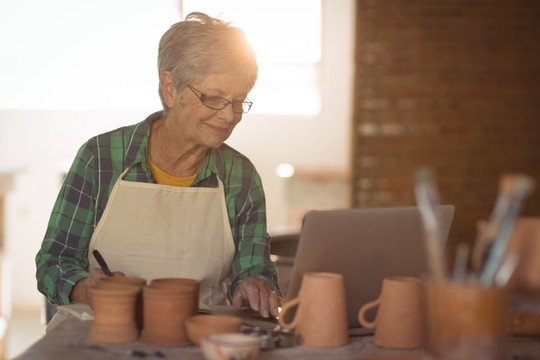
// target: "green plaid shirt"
[[63, 258]]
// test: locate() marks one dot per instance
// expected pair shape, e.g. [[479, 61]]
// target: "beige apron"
[[152, 231]]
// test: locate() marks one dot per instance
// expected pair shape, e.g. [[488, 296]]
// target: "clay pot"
[[127, 280], [114, 314], [180, 284], [466, 321], [321, 316], [399, 323], [200, 326], [165, 311], [123, 280]]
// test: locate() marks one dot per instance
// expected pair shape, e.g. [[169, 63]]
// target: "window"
[[286, 36], [82, 55]]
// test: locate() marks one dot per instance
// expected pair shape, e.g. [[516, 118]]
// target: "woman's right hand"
[[81, 291]]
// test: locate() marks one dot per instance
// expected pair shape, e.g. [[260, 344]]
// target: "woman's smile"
[[218, 129]]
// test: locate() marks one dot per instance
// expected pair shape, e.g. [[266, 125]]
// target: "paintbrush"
[[102, 263], [515, 189], [427, 198]]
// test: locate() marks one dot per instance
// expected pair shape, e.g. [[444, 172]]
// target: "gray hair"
[[201, 45]]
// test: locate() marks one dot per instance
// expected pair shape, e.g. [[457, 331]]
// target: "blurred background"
[[353, 96]]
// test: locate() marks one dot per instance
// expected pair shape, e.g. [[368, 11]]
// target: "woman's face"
[[199, 125]]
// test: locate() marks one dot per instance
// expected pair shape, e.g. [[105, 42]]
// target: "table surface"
[[64, 340]]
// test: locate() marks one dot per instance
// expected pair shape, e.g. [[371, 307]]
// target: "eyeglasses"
[[219, 103]]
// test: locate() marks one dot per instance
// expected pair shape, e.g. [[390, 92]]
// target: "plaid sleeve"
[[252, 256], [63, 258]]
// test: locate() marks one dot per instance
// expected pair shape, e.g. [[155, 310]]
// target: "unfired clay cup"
[[165, 311], [399, 322], [180, 284], [467, 321], [114, 314], [321, 311]]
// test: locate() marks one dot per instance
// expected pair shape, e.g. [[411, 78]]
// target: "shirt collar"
[[137, 149], [138, 143], [214, 164]]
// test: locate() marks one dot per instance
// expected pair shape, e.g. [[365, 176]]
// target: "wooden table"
[[61, 343]]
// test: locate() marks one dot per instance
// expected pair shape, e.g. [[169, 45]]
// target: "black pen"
[[102, 263]]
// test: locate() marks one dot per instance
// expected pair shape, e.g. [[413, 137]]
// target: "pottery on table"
[[165, 311], [231, 346], [467, 321], [114, 314], [399, 322], [180, 284], [127, 280], [321, 311], [200, 326]]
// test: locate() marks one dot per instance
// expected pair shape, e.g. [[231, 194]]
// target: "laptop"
[[365, 246]]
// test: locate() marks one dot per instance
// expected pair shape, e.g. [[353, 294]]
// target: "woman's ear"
[[168, 90]]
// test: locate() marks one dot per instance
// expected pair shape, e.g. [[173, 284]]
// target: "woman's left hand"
[[257, 294]]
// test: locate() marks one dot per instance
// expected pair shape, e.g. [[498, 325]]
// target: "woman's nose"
[[227, 114]]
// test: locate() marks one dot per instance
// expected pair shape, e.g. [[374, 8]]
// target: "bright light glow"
[[282, 31], [101, 54], [82, 55], [286, 36], [285, 170]]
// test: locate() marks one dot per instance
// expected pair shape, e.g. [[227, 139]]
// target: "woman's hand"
[[257, 294], [81, 291]]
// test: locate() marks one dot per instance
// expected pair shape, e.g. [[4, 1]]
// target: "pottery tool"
[[102, 263], [138, 353], [427, 198], [513, 190]]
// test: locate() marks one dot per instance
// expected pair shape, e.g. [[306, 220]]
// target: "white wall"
[[38, 142]]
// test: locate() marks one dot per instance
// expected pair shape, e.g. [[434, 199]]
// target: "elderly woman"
[[166, 197]]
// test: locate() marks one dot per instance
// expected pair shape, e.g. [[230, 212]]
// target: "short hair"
[[202, 45]]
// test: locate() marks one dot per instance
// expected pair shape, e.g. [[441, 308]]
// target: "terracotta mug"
[[180, 284], [127, 280], [165, 310], [321, 311], [399, 322], [467, 321], [114, 313]]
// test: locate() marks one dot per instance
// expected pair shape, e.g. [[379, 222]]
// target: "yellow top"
[[163, 178]]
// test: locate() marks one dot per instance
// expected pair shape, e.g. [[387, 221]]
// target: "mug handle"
[[289, 305], [361, 314]]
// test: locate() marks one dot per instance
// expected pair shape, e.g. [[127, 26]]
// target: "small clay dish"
[[200, 326], [231, 346]]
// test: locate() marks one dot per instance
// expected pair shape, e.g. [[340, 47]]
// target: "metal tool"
[[272, 338]]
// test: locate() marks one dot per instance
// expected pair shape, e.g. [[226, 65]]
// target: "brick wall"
[[451, 84]]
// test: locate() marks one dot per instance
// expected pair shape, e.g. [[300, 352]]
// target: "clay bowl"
[[200, 326], [231, 346]]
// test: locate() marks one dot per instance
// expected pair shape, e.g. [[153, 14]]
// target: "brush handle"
[[102, 263]]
